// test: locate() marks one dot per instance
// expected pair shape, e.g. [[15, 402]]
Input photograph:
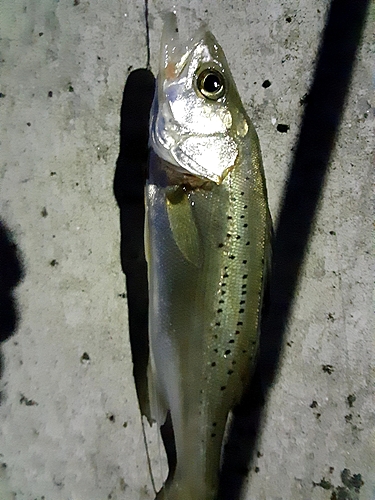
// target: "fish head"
[[197, 118]]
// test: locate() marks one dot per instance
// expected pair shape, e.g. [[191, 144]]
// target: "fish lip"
[[169, 45], [174, 54]]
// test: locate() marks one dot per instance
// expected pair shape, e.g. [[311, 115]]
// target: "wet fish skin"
[[208, 231]]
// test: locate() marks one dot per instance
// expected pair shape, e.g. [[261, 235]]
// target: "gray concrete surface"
[[70, 427]]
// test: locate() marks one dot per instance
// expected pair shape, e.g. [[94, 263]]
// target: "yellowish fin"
[[183, 225]]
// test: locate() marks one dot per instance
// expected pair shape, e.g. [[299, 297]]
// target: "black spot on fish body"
[[231, 341], [241, 311], [230, 372], [239, 323], [244, 276], [213, 363], [227, 352], [223, 387], [213, 435], [245, 225]]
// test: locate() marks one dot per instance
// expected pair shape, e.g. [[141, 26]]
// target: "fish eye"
[[210, 84]]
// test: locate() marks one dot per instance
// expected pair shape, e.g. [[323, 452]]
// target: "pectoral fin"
[[183, 225]]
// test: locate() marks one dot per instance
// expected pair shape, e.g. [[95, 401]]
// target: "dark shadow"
[[11, 273], [130, 177], [320, 124], [129, 184]]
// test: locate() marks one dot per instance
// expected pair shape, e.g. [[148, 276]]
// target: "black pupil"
[[212, 83]]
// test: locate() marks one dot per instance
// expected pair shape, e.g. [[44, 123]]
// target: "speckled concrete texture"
[[70, 425]]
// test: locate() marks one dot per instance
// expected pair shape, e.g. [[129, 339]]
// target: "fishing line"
[[148, 67], [157, 409], [147, 36], [155, 396], [148, 457], [153, 392], [159, 441]]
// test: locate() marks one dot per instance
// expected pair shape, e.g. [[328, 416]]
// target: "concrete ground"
[[70, 425]]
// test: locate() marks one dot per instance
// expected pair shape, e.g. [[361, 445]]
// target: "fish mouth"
[[173, 53], [170, 46]]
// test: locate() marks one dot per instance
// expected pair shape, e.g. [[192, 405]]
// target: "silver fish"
[[207, 243]]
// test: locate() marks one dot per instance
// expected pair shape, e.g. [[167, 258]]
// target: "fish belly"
[[206, 253]]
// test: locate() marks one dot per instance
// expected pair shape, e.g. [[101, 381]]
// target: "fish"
[[207, 236]]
